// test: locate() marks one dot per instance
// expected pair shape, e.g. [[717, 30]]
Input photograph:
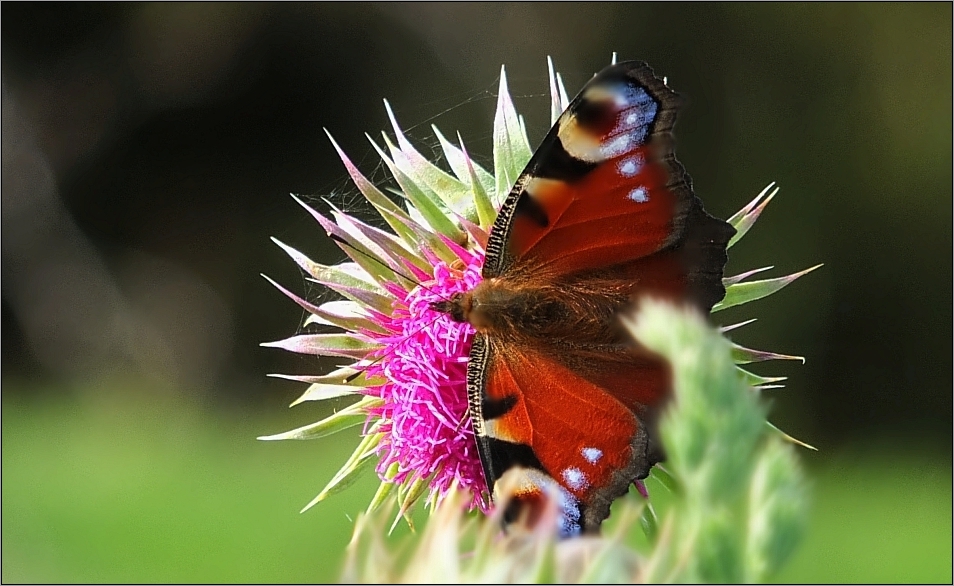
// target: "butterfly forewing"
[[603, 186]]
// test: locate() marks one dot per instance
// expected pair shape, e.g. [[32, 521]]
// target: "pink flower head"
[[426, 425]]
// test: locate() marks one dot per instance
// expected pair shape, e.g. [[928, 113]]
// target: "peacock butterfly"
[[560, 396]]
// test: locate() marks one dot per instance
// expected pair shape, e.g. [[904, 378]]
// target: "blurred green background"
[[148, 150]]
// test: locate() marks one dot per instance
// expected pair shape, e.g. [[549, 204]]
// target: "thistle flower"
[[406, 362]]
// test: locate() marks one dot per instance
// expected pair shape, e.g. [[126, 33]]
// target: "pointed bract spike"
[[370, 299], [743, 355], [729, 328], [393, 250], [649, 522], [743, 225], [323, 392], [380, 247], [351, 246], [338, 279], [556, 106], [791, 439], [453, 193], [486, 213], [665, 478], [431, 243], [747, 208], [327, 275], [743, 276], [345, 345], [767, 387], [348, 473], [350, 416], [301, 302], [511, 147], [384, 489], [343, 308], [564, 98], [337, 376], [367, 189], [411, 496], [319, 315], [459, 251], [455, 158], [425, 204], [741, 293], [320, 390], [755, 380]]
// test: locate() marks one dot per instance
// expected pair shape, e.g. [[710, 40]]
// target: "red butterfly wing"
[[553, 425], [603, 212], [605, 190]]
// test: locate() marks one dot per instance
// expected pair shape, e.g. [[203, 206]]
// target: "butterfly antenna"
[[404, 276]]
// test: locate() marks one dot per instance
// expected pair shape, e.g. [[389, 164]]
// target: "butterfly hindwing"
[[556, 426]]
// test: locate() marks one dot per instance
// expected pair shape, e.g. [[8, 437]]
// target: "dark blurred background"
[[148, 154]]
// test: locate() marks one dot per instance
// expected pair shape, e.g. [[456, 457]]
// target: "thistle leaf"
[[740, 293], [649, 522], [776, 503]]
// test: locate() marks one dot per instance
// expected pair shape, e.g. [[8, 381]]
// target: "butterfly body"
[[561, 398]]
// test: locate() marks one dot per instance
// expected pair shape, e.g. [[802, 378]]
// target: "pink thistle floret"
[[424, 418]]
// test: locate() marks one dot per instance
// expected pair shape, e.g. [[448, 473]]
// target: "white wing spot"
[[592, 455], [575, 478], [617, 146], [630, 167], [639, 195]]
